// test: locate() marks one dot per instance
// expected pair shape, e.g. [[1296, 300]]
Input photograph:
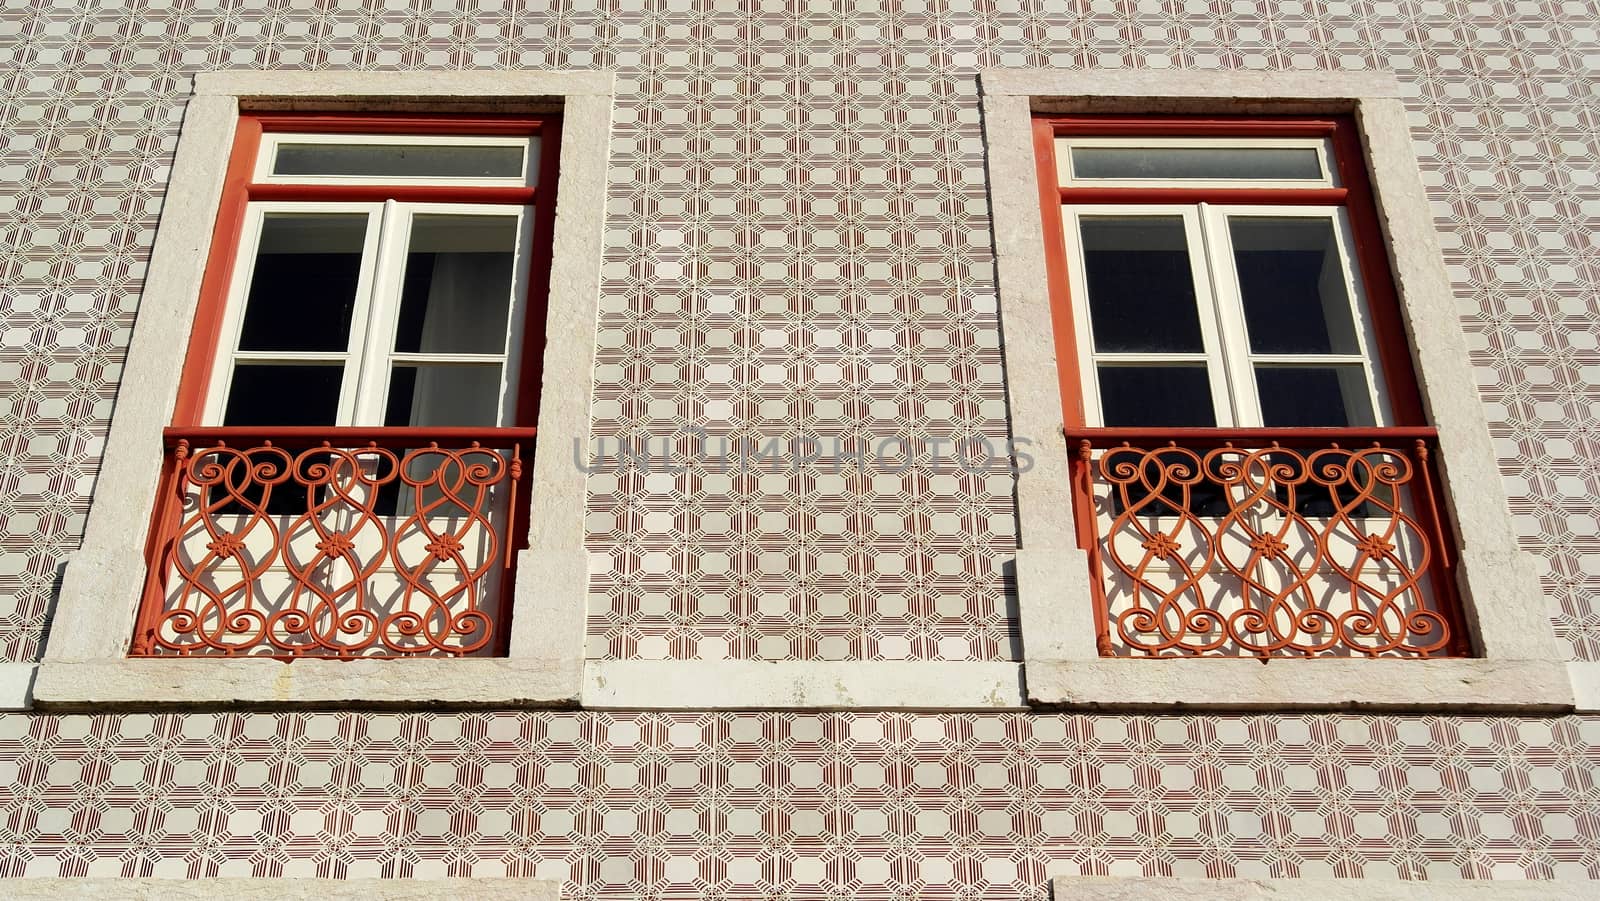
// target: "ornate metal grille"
[[296, 542], [1267, 543]]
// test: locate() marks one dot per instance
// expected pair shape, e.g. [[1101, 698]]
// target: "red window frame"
[[1393, 350], [239, 190]]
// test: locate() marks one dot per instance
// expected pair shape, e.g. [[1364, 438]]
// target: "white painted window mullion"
[[461, 359], [287, 356], [365, 284], [1221, 321], [370, 351]]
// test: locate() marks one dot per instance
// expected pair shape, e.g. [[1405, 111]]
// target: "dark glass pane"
[[1204, 498], [457, 288], [1136, 396], [272, 394], [303, 284], [444, 395], [278, 395], [1209, 498], [1293, 286], [1318, 501], [1313, 396], [398, 161], [1261, 163], [1141, 287]]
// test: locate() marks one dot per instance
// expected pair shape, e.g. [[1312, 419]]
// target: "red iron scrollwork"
[[1267, 543], [337, 543]]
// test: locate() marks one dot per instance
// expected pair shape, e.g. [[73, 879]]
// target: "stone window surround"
[[1521, 667], [85, 661]]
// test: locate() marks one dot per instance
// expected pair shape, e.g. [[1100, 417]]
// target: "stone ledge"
[[801, 685], [241, 888], [191, 681], [16, 685], [1173, 684], [1112, 888]]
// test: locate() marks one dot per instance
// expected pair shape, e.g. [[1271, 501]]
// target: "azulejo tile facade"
[[800, 805], [798, 247]]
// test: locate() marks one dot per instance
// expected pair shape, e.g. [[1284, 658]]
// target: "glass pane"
[[1292, 282], [303, 285], [1141, 288], [443, 394], [1314, 396], [1262, 163], [457, 285], [284, 394], [1137, 396], [399, 160]]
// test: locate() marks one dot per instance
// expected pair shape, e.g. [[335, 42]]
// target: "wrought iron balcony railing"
[[1267, 542], [333, 542]]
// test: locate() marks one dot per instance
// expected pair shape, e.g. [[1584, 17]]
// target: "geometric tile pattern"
[[824, 806], [797, 255]]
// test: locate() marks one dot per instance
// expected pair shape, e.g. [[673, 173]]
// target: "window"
[[1209, 314], [1217, 303], [331, 321], [1210, 526], [351, 430]]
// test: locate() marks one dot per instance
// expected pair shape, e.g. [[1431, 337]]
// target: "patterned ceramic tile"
[[799, 806], [798, 269]]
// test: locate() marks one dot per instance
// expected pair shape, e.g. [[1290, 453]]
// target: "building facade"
[[827, 317]]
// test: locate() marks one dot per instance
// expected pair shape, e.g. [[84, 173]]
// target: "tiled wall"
[[865, 806], [797, 246], [797, 243]]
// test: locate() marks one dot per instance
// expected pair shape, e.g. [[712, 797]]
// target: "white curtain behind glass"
[[466, 308]]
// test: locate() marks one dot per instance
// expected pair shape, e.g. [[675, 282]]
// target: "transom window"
[[492, 161], [1195, 162]]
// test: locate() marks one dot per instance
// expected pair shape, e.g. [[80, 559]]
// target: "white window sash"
[[1227, 355], [369, 357], [1239, 358], [1211, 348], [380, 357], [239, 291]]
